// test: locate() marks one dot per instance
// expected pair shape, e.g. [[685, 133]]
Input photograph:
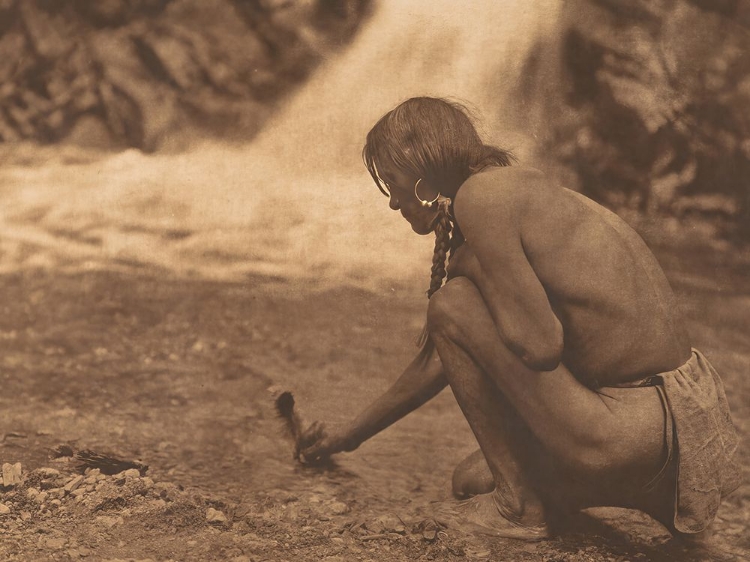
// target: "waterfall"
[[297, 201], [472, 51]]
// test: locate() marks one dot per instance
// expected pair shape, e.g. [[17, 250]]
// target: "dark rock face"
[[132, 73], [657, 105]]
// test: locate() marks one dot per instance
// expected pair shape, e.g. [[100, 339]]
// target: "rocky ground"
[[174, 373]]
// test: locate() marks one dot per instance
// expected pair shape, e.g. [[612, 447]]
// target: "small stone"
[[11, 474], [55, 543], [91, 477], [63, 451], [56, 493], [388, 523], [25, 516], [4, 509], [32, 493], [215, 516], [339, 508], [73, 484], [49, 472], [78, 492], [429, 529], [148, 483], [56, 503], [41, 497], [130, 473], [109, 521]]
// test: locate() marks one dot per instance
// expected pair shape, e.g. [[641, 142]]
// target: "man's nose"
[[393, 203]]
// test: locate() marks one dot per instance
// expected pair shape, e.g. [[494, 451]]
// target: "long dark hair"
[[433, 139]]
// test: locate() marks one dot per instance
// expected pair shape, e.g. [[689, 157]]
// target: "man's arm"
[[492, 210], [422, 380]]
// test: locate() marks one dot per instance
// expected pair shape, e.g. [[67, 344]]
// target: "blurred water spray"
[[297, 202]]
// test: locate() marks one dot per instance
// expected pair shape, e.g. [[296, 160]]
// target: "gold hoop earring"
[[424, 202]]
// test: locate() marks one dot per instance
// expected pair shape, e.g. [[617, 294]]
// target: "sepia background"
[[185, 222]]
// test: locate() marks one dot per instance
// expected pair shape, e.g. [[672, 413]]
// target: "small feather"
[[285, 404], [292, 421]]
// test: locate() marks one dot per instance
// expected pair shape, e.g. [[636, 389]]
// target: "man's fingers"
[[316, 452], [315, 444], [310, 457], [317, 429], [313, 434]]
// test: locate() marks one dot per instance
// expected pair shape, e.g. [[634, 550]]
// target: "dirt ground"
[[175, 372]]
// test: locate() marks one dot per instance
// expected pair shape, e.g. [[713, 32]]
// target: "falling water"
[[297, 202]]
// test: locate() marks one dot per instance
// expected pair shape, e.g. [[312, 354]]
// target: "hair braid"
[[443, 246]]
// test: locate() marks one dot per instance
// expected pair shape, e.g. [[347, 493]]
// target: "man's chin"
[[424, 225], [422, 230]]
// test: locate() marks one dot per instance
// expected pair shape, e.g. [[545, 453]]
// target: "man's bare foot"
[[703, 545], [487, 514]]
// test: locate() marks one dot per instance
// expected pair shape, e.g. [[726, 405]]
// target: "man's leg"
[[513, 495], [615, 440], [472, 476]]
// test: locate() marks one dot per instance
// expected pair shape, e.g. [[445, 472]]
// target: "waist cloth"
[[701, 438]]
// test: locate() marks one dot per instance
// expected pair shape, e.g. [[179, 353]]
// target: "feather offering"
[[293, 425], [292, 421]]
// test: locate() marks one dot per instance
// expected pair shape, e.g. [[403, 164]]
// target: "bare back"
[[618, 314]]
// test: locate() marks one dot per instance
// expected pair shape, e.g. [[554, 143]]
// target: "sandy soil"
[[175, 372]]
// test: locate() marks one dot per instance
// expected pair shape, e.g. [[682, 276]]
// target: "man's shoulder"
[[507, 188]]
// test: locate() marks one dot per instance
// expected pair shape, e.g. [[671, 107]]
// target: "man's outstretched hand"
[[317, 444]]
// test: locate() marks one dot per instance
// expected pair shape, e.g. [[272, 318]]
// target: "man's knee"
[[450, 305], [472, 476]]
